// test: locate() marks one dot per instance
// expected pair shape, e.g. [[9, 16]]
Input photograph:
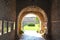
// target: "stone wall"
[[8, 9], [8, 36], [43, 4], [55, 19], [8, 12]]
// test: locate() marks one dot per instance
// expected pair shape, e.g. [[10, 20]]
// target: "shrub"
[[31, 24], [21, 32]]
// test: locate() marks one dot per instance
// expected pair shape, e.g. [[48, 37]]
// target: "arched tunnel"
[[34, 10], [13, 11]]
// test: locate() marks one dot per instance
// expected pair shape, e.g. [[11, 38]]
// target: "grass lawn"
[[36, 27]]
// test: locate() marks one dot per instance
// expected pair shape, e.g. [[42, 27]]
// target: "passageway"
[[31, 35], [13, 11], [32, 31]]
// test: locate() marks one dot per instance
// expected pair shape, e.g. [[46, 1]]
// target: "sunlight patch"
[[32, 33]]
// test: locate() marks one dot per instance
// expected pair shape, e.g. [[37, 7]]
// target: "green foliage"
[[36, 19], [31, 24], [36, 27], [21, 32]]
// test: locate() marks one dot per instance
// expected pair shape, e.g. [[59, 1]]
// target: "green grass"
[[36, 27]]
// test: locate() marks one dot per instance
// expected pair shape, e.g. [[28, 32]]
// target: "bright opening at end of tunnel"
[[31, 27], [31, 22]]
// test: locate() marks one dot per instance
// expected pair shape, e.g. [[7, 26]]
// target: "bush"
[[31, 24], [21, 32]]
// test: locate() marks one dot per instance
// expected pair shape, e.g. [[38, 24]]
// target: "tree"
[[37, 20]]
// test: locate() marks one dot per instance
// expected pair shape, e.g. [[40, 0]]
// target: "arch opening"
[[36, 11], [31, 22]]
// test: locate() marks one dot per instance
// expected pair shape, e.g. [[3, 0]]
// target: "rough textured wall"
[[8, 12], [55, 20], [44, 4], [8, 36], [7, 9]]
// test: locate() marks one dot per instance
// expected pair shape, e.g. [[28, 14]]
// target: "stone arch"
[[34, 9]]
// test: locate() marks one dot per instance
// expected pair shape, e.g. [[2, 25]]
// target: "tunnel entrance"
[[31, 22], [41, 16]]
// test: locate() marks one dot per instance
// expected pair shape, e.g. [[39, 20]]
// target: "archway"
[[35, 10], [31, 22]]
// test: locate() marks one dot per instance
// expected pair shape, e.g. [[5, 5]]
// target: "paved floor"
[[31, 35]]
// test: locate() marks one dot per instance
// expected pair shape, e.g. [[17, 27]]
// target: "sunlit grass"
[[36, 27]]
